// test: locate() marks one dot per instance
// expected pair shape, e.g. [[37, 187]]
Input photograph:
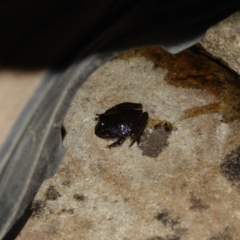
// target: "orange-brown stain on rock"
[[192, 69]]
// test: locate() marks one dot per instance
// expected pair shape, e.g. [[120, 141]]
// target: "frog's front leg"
[[138, 128], [118, 142]]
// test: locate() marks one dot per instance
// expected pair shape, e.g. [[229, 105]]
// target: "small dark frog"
[[123, 120]]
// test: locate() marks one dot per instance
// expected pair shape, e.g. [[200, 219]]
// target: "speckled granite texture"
[[181, 182]]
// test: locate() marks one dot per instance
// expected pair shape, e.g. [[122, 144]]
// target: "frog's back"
[[121, 124]]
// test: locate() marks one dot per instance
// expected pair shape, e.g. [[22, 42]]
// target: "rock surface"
[[181, 182], [223, 41]]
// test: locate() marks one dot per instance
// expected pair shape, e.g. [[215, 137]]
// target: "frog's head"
[[103, 131]]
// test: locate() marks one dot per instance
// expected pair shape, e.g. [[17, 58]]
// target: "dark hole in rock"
[[79, 197], [166, 218], [52, 193], [70, 211], [37, 207], [63, 132], [230, 168]]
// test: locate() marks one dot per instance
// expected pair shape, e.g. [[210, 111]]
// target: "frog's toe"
[[118, 142], [132, 143], [135, 139]]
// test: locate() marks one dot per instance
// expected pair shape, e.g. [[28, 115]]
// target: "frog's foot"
[[118, 142], [133, 141]]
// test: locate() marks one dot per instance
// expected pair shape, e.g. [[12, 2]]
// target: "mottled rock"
[[184, 190]]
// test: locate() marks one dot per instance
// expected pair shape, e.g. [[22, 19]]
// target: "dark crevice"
[[19, 224], [63, 132]]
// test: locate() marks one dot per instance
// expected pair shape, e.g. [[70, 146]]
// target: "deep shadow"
[[19, 224], [40, 34], [51, 34], [63, 132]]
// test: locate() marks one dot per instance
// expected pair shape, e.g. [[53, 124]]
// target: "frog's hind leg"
[[138, 129], [118, 142], [128, 106], [122, 107]]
